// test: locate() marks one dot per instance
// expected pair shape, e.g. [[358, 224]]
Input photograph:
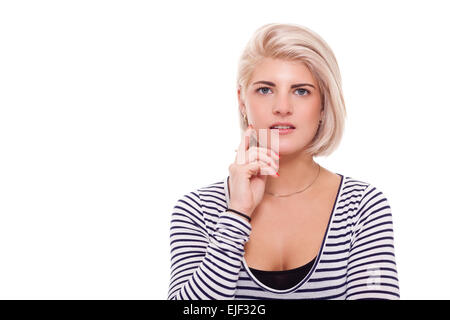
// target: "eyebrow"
[[292, 87]]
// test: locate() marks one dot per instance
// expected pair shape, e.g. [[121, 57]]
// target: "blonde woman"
[[280, 226]]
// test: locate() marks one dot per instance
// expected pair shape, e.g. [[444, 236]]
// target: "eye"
[[304, 92], [258, 90]]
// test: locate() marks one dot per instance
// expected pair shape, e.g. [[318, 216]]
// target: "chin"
[[289, 148]]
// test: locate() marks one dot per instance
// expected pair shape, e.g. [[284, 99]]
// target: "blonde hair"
[[297, 43]]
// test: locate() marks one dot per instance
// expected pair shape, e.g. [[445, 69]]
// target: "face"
[[283, 91]]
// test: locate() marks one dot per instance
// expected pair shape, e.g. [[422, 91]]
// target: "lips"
[[282, 124]]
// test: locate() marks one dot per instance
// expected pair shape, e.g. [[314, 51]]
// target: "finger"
[[245, 141], [269, 152], [274, 154], [259, 168], [269, 140], [254, 141], [249, 135], [260, 153]]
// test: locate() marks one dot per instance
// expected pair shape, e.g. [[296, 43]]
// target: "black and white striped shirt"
[[356, 259]]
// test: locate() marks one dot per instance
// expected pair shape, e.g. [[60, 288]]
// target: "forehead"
[[279, 71]]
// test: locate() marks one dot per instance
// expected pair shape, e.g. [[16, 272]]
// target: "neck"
[[297, 171]]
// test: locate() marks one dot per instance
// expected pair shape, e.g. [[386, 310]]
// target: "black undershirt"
[[283, 279]]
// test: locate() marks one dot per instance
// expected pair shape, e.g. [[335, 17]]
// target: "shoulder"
[[369, 191], [197, 195], [366, 207], [361, 197], [205, 201], [370, 201], [355, 185], [360, 187], [213, 196]]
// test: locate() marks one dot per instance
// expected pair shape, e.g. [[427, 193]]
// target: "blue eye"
[[306, 92], [257, 90]]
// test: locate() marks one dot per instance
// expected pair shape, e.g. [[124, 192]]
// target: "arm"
[[204, 266], [372, 271]]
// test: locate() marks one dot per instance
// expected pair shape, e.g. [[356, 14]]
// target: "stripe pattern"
[[356, 259]]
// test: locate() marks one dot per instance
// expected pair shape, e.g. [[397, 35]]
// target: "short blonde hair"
[[297, 43]]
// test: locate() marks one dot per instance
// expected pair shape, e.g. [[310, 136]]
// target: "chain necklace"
[[286, 195]]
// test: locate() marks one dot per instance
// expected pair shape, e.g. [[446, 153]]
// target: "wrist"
[[240, 214], [242, 209]]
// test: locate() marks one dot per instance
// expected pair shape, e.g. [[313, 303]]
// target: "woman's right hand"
[[246, 182]]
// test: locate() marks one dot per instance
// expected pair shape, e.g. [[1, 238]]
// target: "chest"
[[288, 233]]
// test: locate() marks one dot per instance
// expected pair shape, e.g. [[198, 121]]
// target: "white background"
[[112, 110]]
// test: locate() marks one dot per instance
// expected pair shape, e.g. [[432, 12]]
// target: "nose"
[[283, 105]]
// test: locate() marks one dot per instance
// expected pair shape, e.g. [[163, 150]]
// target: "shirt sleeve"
[[204, 266], [372, 271]]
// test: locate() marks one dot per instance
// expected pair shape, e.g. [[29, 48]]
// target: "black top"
[[283, 279]]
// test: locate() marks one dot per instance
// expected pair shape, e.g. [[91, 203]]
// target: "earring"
[[245, 117]]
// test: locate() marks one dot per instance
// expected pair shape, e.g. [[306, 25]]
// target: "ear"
[[240, 100]]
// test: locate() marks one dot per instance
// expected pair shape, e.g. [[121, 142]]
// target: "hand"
[[247, 180]]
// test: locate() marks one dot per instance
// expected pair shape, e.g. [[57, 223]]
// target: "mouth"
[[283, 128]]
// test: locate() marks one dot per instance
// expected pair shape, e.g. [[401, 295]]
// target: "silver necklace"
[[290, 194]]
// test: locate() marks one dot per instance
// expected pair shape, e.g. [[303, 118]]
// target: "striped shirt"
[[356, 259]]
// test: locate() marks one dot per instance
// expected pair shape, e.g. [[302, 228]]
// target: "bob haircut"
[[297, 43]]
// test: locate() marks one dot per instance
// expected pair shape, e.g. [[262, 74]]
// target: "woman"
[[300, 231]]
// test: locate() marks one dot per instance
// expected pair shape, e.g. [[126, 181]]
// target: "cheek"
[[308, 122], [309, 116], [257, 110]]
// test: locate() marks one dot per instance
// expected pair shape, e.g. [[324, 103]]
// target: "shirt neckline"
[[276, 272], [317, 259]]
